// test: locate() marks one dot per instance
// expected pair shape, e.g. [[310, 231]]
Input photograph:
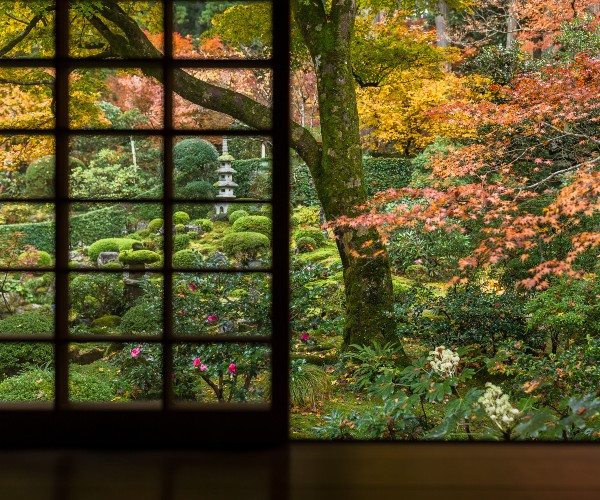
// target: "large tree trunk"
[[336, 167], [339, 178], [441, 27], [511, 25]]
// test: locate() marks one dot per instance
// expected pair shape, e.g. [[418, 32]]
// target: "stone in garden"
[[85, 355], [76, 256], [137, 246], [227, 327], [190, 228], [106, 257], [141, 226]]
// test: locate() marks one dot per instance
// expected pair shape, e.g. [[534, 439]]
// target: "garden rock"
[[85, 356], [140, 226], [106, 257]]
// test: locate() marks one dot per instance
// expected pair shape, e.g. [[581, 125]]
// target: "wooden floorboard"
[[308, 471]]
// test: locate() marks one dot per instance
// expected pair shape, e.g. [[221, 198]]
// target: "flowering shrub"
[[498, 408], [444, 361], [140, 371]]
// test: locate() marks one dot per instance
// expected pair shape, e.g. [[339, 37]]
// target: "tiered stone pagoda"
[[225, 183]]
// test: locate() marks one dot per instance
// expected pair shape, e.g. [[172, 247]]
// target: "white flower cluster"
[[497, 406], [444, 361]]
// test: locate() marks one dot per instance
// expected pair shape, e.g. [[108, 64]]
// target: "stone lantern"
[[225, 184]]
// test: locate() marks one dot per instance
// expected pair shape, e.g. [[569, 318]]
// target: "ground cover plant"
[[444, 278]]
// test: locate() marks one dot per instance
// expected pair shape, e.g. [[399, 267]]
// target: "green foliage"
[[186, 259], [181, 218], [305, 216], [499, 64], [577, 36], [194, 159], [306, 244], [196, 190], [245, 246], [394, 419], [143, 318], [309, 384], [93, 226], [237, 214], [39, 235], [310, 232], [154, 225], [31, 385], [138, 257], [96, 294], [180, 228], [38, 257], [29, 322], [107, 321], [18, 356], [109, 245], [86, 383], [39, 177], [248, 176], [141, 375], [180, 242], [253, 224], [206, 225], [113, 265]]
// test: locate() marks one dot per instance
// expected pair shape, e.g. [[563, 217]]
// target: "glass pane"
[[240, 166], [26, 234], [127, 303], [253, 83], [222, 373], [27, 29], [228, 234], [27, 166], [27, 96], [26, 371], [222, 304], [116, 372], [114, 98], [27, 303], [222, 30], [116, 167], [87, 41], [115, 235]]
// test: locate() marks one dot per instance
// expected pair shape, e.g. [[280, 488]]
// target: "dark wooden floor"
[[306, 471]]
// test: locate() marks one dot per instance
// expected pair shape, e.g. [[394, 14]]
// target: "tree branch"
[[564, 171], [20, 82], [21, 36]]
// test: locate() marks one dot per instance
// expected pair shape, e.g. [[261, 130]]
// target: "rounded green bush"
[[206, 225], [310, 232], [179, 228], [110, 320], [37, 258], [245, 245], [39, 176], [113, 265], [193, 235], [416, 270], [185, 259], [96, 294], [31, 385], [253, 224], [144, 233], [180, 242], [154, 225], [238, 214], [142, 318], [306, 244], [34, 322], [196, 190], [194, 156], [138, 257], [181, 218], [109, 245]]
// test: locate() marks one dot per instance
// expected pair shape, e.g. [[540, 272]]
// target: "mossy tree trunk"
[[336, 165]]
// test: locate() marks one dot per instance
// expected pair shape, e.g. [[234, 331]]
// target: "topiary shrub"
[[31, 385], [96, 294], [194, 157], [196, 190], [39, 176], [181, 218], [143, 234], [193, 235], [253, 224], [109, 245], [154, 225], [39, 235], [186, 259], [416, 271], [112, 265], [180, 242], [245, 246], [144, 317], [306, 244], [97, 224], [179, 228], [310, 232], [33, 322], [206, 225], [108, 321], [138, 257], [238, 214]]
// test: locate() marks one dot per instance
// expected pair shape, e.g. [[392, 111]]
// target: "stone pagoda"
[[225, 184]]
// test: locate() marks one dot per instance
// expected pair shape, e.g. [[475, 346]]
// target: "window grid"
[[61, 425]]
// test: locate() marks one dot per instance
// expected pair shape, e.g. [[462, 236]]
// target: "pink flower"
[[203, 368], [196, 362], [305, 337], [232, 369], [181, 312], [135, 352], [212, 318], [192, 286]]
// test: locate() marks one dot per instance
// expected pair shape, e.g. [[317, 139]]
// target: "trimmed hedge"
[[93, 226], [31, 322], [306, 244], [245, 245], [31, 385], [133, 257], [180, 218], [109, 245], [196, 190], [310, 232], [237, 214], [185, 259], [40, 235], [96, 294], [253, 224], [206, 224], [180, 242], [155, 224], [142, 318]]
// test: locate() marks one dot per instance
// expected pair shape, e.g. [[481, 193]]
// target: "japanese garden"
[[444, 198]]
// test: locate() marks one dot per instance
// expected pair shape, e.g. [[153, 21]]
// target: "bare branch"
[[21, 36]]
